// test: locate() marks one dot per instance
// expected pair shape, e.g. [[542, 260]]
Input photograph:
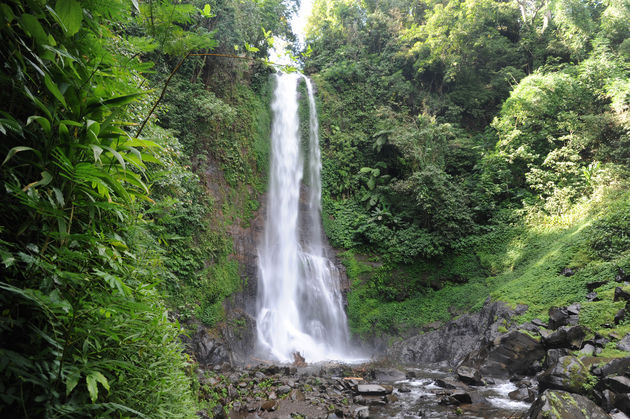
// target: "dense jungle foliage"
[[107, 231], [477, 142]]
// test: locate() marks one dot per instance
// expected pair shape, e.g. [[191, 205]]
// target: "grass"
[[517, 264]]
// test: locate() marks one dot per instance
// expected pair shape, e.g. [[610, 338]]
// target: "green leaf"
[[45, 180], [72, 380], [92, 387], [117, 155], [32, 27], [207, 11], [70, 13], [52, 87], [43, 122], [15, 150], [136, 5]]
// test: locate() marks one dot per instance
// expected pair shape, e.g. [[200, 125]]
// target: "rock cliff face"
[[455, 340]]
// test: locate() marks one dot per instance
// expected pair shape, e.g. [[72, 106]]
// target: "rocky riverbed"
[[352, 391]]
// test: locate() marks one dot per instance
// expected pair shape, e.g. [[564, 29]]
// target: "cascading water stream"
[[300, 307]]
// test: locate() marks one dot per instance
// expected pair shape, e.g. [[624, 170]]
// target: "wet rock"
[[462, 397], [558, 316], [404, 389], [469, 375], [614, 367], [566, 337], [269, 405], [391, 398], [515, 353], [443, 384], [556, 404], [624, 344], [388, 374], [621, 295], [362, 412], [568, 374], [523, 394], [371, 389]]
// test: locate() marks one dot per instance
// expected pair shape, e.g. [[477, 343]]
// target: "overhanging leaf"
[[52, 87], [70, 13], [15, 150]]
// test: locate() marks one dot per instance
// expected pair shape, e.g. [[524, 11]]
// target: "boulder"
[[388, 374], [621, 276], [443, 384], [624, 344], [453, 341], [616, 414], [362, 412], [556, 404], [568, 373], [372, 390], [621, 295], [206, 349], [591, 286], [558, 316], [617, 384], [614, 367], [622, 402], [514, 353], [566, 337], [469, 375], [523, 394]]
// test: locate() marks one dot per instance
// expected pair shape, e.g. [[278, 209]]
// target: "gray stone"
[[624, 344], [371, 389], [618, 415], [614, 367], [587, 350], [556, 404], [568, 373], [621, 295], [453, 341], [515, 353], [469, 375], [362, 412], [283, 390], [566, 337], [388, 374], [558, 316]]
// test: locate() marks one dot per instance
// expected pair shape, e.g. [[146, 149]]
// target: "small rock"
[[624, 344], [616, 414], [469, 375], [592, 296], [283, 390], [371, 389], [621, 295], [404, 389], [362, 412], [218, 412], [587, 350], [574, 309], [332, 416], [621, 276], [567, 272], [391, 398], [443, 384], [359, 399], [523, 394], [297, 395], [462, 397]]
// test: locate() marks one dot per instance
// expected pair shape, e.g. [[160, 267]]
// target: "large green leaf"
[[70, 14], [32, 27]]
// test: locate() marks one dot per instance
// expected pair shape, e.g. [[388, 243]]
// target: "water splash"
[[300, 307]]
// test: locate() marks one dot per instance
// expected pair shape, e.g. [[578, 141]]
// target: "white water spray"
[[299, 302]]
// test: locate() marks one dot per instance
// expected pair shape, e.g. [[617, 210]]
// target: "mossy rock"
[[557, 404]]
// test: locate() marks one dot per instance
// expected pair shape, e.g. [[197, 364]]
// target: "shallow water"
[[423, 400]]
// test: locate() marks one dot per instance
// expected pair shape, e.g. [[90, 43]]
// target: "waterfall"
[[299, 303]]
